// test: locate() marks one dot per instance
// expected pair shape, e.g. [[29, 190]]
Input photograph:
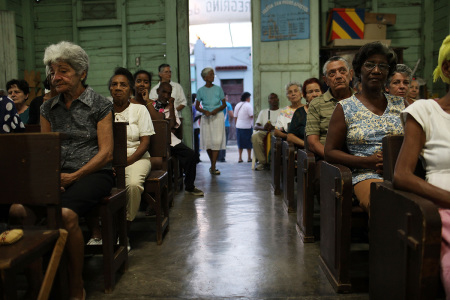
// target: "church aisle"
[[237, 242]]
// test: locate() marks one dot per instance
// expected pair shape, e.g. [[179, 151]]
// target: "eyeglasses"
[[370, 66]]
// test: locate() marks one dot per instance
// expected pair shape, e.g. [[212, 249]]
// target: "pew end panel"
[[37, 183], [112, 212], [288, 178], [405, 237], [306, 167], [276, 164], [339, 218], [156, 186]]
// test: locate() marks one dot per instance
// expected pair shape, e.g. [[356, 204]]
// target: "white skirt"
[[212, 132]]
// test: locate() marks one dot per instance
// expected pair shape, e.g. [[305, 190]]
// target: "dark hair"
[[162, 66], [21, 85], [245, 96], [309, 81], [124, 72], [143, 72], [46, 83], [370, 49]]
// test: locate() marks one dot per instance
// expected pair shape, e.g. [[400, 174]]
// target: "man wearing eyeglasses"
[[337, 74]]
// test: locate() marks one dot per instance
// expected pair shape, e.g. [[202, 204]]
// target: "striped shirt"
[[319, 115]]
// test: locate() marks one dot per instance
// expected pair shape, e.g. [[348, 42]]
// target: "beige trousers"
[[362, 192], [135, 176], [258, 145]]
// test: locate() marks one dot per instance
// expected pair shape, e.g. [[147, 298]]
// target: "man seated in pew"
[[398, 83], [263, 126], [337, 75], [85, 117], [163, 108], [426, 125], [296, 133], [294, 95], [359, 123]]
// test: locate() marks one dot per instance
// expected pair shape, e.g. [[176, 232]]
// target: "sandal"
[[214, 172], [249, 160], [240, 161]]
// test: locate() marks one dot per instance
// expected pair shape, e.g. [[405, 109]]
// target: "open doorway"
[[220, 37]]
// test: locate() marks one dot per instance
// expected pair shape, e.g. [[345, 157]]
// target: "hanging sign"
[[219, 11], [284, 20]]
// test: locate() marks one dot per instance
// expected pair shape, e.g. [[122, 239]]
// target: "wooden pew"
[[338, 217], [405, 236], [112, 212], [276, 164], [29, 128], [36, 182], [306, 173], [288, 182], [157, 183], [177, 170]]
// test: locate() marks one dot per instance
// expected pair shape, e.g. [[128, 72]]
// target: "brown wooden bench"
[[306, 173], [276, 164], [338, 217], [288, 182], [36, 182], [405, 237], [157, 183], [112, 212]]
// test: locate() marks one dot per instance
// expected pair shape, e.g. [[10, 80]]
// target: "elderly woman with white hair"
[[294, 95], [85, 117], [212, 125]]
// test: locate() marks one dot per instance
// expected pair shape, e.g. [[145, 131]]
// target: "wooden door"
[[233, 88]]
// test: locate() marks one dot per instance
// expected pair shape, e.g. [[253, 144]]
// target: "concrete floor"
[[236, 242]]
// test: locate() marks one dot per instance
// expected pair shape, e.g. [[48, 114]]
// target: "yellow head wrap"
[[444, 54]]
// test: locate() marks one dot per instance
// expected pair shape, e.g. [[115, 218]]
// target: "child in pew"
[[427, 133]]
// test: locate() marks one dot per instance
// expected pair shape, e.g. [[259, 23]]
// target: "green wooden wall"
[[440, 29], [152, 31], [138, 32], [421, 27]]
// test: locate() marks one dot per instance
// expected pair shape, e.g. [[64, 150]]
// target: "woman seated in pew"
[[294, 95], [10, 121], [359, 123], [427, 133], [19, 91], [85, 118], [296, 133], [139, 130], [398, 83]]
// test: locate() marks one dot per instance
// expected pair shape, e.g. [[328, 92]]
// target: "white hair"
[[69, 53], [205, 71], [287, 86], [333, 59]]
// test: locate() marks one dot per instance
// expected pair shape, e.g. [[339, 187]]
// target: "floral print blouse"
[[365, 130]]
